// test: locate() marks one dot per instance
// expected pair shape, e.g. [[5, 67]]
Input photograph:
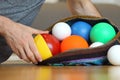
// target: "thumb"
[[37, 31], [42, 32]]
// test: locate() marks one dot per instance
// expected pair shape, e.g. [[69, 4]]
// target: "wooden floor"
[[34, 72]]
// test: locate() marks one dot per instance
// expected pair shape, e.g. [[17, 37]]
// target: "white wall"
[[117, 2], [103, 1], [51, 1]]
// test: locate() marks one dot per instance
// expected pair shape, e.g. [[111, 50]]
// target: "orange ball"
[[73, 42]]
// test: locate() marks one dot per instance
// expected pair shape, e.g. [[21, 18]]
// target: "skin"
[[19, 37], [83, 7]]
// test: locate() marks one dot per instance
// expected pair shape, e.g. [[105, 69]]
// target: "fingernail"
[[40, 60]]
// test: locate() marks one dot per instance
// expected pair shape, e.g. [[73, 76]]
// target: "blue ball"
[[82, 29]]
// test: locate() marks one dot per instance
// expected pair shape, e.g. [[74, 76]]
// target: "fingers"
[[23, 55], [35, 51], [41, 32], [30, 55]]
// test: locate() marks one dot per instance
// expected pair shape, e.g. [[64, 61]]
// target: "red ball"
[[53, 43], [73, 42]]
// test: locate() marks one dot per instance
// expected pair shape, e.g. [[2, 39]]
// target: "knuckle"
[[25, 59], [30, 55]]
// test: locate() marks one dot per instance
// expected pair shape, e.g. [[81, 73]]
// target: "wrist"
[[4, 23], [1, 24]]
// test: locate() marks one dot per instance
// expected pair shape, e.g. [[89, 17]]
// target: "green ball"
[[102, 32]]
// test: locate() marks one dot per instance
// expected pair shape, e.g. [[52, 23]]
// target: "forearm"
[[5, 50], [5, 25], [1, 24], [83, 7]]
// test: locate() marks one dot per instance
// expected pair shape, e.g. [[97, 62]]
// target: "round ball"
[[82, 29], [61, 30], [102, 32], [73, 42], [113, 55], [96, 44], [53, 43], [42, 47]]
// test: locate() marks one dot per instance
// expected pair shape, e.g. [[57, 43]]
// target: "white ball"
[[96, 44], [61, 30], [113, 55]]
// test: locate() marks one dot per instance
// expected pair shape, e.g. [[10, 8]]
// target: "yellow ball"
[[42, 47]]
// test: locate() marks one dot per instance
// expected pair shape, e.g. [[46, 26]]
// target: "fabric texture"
[[22, 11]]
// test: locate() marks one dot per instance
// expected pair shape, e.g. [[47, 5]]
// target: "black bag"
[[86, 57]]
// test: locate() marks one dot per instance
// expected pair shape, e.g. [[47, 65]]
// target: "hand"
[[19, 38]]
